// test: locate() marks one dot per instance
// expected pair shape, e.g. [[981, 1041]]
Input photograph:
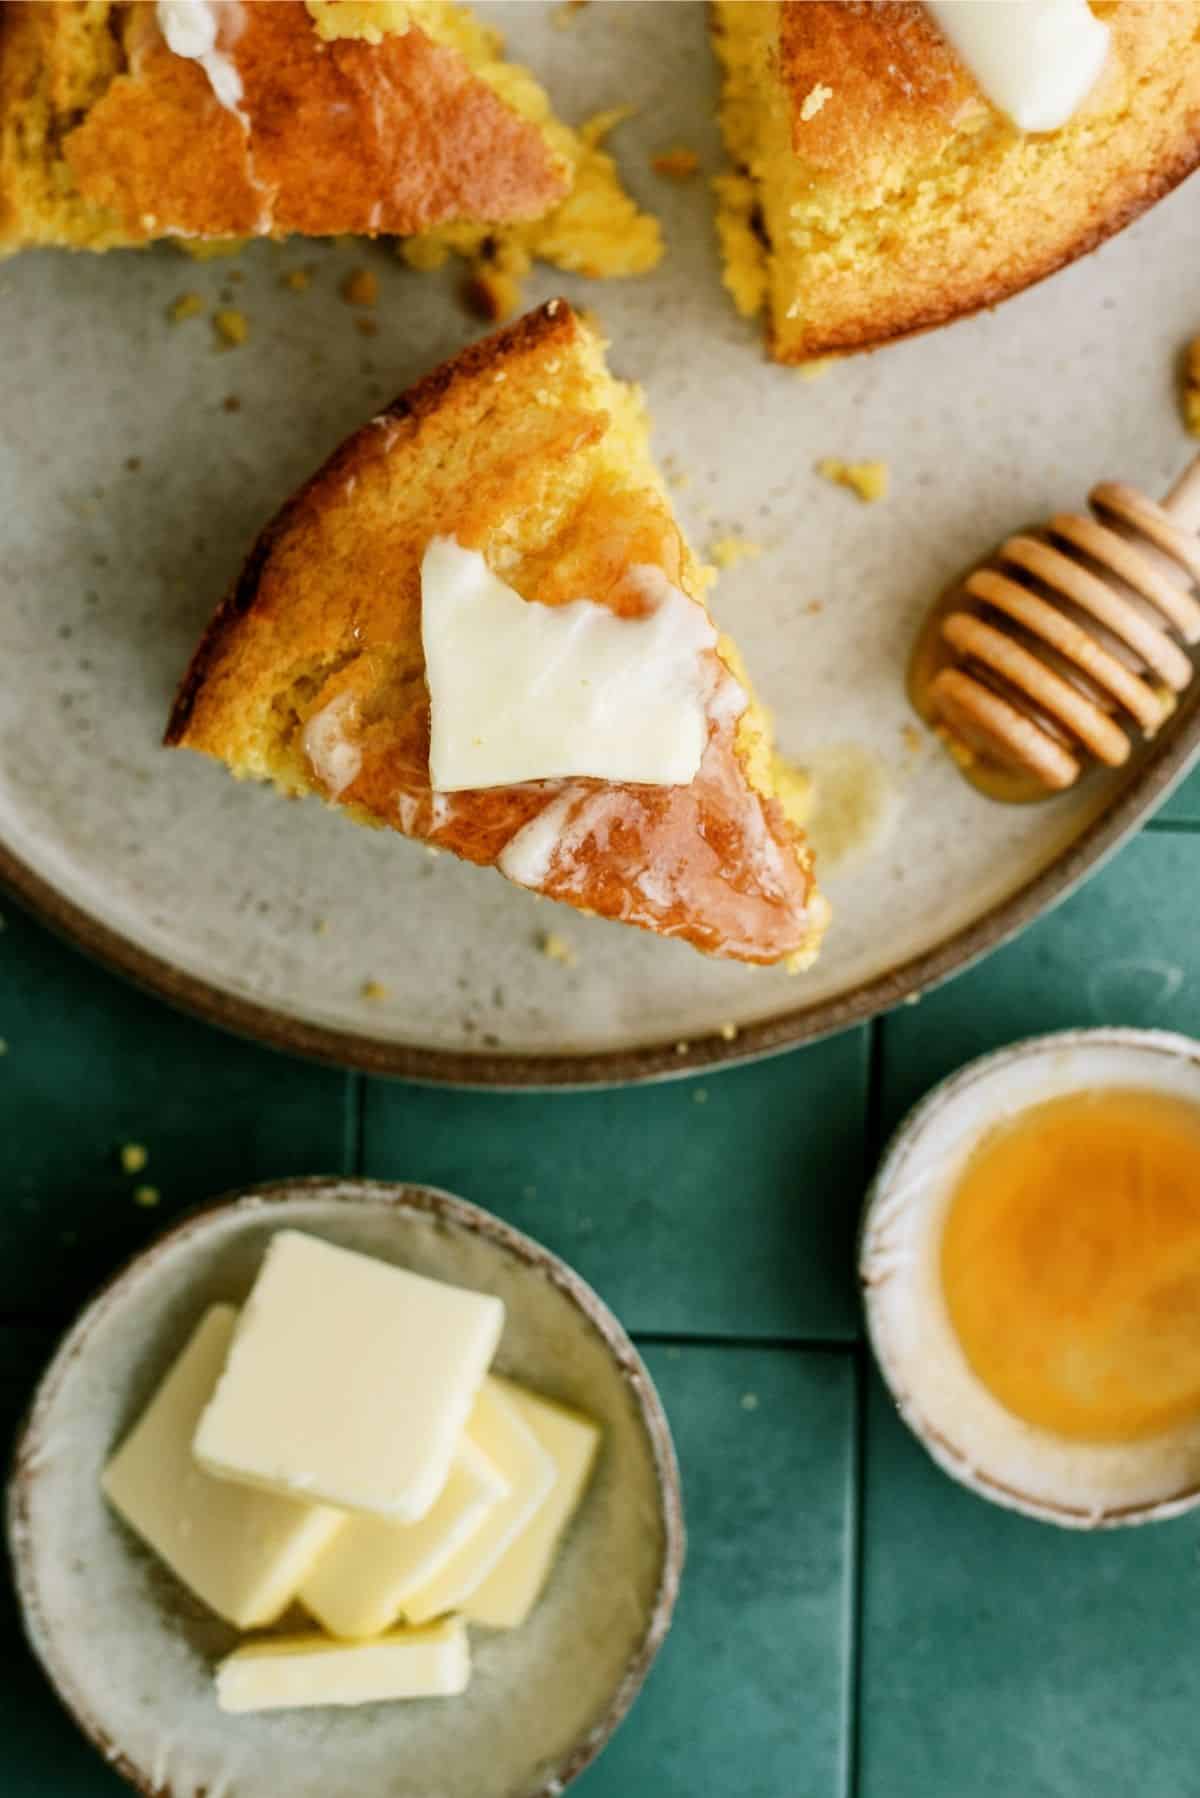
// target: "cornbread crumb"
[[321, 926], [3, 1045], [912, 739], [814, 100], [361, 287], [231, 403], [297, 279], [682, 1046], [700, 1096], [188, 305], [146, 1196], [374, 990], [679, 164], [817, 369], [1191, 388], [749, 1401], [134, 1156], [728, 1033], [868, 479], [727, 552], [231, 326], [557, 948], [743, 258], [425, 254], [493, 288]]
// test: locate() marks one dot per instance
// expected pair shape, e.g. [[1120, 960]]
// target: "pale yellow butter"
[[358, 1587], [506, 1439], [244, 1553], [283, 1673], [348, 1380], [510, 1591]]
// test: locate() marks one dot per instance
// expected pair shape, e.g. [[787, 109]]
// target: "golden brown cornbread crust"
[[904, 199], [524, 448], [108, 139]]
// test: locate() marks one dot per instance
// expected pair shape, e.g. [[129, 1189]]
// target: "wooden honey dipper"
[[1065, 641]]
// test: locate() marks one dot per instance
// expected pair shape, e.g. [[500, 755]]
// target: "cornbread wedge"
[[878, 193], [338, 116], [312, 673]]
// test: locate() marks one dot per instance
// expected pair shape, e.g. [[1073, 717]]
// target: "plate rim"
[[1166, 762], [434, 1202]]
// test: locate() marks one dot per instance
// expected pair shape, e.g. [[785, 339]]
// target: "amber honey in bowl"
[[1070, 1264]]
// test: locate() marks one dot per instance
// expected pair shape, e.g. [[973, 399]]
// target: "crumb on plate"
[[868, 479], [678, 164], [728, 551], [557, 948], [187, 305], [361, 287], [1191, 388], [146, 1196], [231, 326], [134, 1156], [374, 990]]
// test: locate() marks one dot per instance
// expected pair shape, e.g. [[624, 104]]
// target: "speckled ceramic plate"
[[272, 917], [132, 1654]]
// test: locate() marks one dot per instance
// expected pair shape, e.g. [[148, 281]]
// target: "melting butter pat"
[[244, 1553], [508, 1594], [507, 1440], [282, 1673], [521, 691], [358, 1587], [348, 1381], [1037, 60]]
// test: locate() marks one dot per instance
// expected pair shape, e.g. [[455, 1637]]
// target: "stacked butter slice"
[[341, 1442]]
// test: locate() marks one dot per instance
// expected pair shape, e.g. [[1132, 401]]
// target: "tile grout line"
[[872, 1147]]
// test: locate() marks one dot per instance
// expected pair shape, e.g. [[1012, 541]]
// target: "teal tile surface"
[[1183, 807], [722, 1205], [1124, 949], [1003, 1658], [749, 1696], [90, 1064]]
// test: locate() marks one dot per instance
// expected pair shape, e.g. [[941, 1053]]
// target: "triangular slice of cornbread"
[[526, 450], [340, 116], [879, 192]]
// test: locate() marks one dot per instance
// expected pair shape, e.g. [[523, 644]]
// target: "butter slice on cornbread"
[[528, 454]]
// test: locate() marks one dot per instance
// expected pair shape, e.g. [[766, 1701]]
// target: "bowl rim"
[[400, 1197], [1174, 1045]]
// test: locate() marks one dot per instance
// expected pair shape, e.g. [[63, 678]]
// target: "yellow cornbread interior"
[[38, 200], [596, 230], [558, 520], [834, 246], [1070, 1264]]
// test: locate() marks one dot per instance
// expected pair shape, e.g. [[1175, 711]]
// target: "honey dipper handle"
[[1183, 501]]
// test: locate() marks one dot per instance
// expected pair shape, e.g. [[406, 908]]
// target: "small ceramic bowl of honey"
[[1030, 1261]]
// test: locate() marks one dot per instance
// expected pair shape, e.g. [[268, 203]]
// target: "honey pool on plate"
[[1070, 1264]]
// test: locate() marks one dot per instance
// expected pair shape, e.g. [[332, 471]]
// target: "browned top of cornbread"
[[904, 199], [525, 449], [106, 136]]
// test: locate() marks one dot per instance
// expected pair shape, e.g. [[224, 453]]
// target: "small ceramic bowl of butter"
[[347, 1487], [1030, 1259]]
